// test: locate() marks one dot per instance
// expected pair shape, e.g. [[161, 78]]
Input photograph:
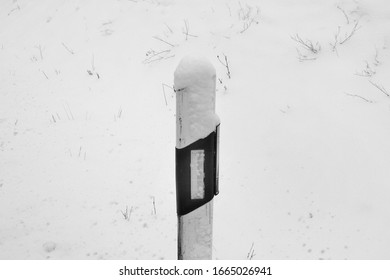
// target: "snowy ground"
[[87, 133]]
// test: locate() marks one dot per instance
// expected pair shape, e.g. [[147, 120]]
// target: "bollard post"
[[197, 141]]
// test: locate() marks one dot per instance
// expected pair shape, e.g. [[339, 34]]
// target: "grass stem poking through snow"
[[226, 64], [336, 41], [165, 97], [14, 9], [344, 13], [367, 72], [43, 72], [307, 44], [159, 39], [68, 49], [68, 111], [230, 10], [170, 29], [39, 47], [376, 60], [358, 96], [154, 206], [92, 72], [381, 88], [187, 28], [127, 213], [119, 114], [246, 15], [155, 56], [351, 33], [251, 252], [302, 57]]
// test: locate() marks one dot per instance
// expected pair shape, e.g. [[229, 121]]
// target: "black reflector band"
[[196, 173]]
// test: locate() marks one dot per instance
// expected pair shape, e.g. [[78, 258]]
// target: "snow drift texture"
[[87, 127]]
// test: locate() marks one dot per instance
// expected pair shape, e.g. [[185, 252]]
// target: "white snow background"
[[87, 127]]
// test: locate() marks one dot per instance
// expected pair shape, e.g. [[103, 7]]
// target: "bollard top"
[[195, 71], [195, 87]]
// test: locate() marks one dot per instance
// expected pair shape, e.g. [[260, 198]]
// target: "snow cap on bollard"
[[195, 78], [196, 71]]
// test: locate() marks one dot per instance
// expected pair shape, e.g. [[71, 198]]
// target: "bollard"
[[197, 142]]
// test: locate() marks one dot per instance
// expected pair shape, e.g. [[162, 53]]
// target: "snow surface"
[[87, 127], [195, 85]]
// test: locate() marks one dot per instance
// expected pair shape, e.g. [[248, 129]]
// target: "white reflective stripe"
[[197, 174]]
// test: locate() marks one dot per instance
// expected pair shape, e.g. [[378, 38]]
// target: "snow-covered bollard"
[[197, 139]]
